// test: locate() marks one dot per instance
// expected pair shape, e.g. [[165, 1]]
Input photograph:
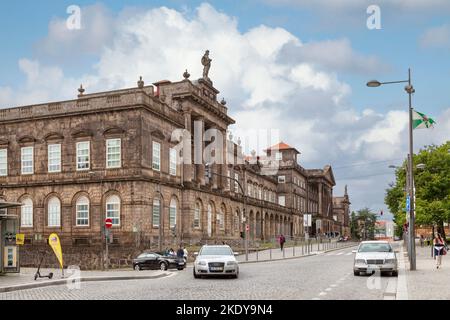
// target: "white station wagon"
[[216, 261], [373, 256]]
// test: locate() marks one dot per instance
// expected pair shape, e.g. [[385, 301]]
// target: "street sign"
[[408, 205], [247, 227], [20, 239], [108, 223]]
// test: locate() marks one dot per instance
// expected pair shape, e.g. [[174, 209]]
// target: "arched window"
[[26, 213], [236, 221], [173, 213], [210, 217], [54, 212], [156, 213], [113, 209], [82, 211], [197, 215], [221, 218]]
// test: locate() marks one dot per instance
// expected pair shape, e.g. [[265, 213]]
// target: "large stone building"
[[117, 155]]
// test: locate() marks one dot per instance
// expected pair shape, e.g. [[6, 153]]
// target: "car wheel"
[[163, 266], [395, 273], [196, 276], [180, 269], [137, 268], [356, 273]]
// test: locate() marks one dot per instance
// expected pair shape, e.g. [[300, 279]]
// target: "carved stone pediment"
[[53, 136], [158, 134], [82, 133], [26, 139], [113, 131]]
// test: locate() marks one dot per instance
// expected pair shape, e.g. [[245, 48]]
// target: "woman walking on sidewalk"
[[439, 250]]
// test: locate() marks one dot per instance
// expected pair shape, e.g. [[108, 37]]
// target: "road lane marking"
[[333, 285], [322, 294], [316, 298], [339, 253], [349, 253], [328, 289]]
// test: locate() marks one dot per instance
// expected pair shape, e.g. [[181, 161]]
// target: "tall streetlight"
[[410, 90]]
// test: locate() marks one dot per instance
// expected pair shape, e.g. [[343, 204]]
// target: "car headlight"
[[360, 261], [390, 261], [201, 263], [231, 263]]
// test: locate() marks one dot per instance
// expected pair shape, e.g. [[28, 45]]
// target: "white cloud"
[[302, 97], [437, 37]]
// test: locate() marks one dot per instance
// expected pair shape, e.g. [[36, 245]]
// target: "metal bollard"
[[270, 252], [257, 255]]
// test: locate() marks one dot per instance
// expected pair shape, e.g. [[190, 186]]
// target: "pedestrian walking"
[[439, 250], [422, 240], [186, 254], [282, 241]]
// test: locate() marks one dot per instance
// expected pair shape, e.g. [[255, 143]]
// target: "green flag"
[[421, 121]]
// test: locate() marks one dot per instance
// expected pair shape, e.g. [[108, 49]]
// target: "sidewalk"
[[293, 252], [427, 282], [25, 279]]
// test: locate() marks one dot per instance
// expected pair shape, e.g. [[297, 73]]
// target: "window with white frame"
[[27, 160], [54, 212], [83, 155], [282, 200], [249, 190], [3, 162], [260, 193], [228, 179], [156, 161], [173, 213], [82, 212], [113, 209], [156, 213], [278, 156], [113, 153], [197, 215], [54, 158], [173, 162], [236, 184], [222, 219], [26, 213], [281, 179]]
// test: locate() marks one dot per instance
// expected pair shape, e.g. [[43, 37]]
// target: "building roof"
[[281, 146]]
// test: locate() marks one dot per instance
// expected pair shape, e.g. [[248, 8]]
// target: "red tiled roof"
[[280, 146]]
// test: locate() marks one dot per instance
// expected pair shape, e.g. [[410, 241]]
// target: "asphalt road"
[[324, 276]]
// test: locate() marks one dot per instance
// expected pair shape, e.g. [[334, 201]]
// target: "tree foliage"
[[432, 183]]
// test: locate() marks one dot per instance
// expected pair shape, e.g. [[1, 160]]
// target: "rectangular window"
[[54, 158], [156, 213], [156, 162], [197, 216], [27, 160], [228, 179], [3, 162], [113, 153], [282, 200], [83, 155], [113, 212], [278, 156], [173, 162], [83, 214], [236, 185], [281, 179]]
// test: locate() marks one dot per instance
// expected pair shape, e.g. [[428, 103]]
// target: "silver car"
[[373, 256], [216, 261]]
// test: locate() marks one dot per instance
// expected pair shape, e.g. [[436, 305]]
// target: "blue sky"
[[408, 38]]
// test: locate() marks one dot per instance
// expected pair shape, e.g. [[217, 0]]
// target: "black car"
[[152, 260]]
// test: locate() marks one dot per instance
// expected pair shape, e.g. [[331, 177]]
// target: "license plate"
[[181, 263], [372, 268], [216, 269]]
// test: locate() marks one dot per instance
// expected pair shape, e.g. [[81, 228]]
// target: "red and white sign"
[[108, 223], [247, 227]]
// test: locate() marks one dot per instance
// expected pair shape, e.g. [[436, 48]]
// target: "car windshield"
[[216, 251], [375, 247]]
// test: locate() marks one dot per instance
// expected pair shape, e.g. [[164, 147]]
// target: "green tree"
[[432, 183], [368, 219]]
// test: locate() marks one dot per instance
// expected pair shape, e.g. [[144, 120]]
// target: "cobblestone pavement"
[[324, 276]]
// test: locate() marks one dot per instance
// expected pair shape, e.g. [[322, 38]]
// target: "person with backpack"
[[439, 250]]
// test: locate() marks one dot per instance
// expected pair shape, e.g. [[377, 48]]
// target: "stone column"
[[199, 130], [188, 173]]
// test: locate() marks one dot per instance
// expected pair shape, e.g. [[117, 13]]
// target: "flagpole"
[[412, 241]]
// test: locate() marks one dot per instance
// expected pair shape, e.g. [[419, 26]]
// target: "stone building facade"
[[117, 155]]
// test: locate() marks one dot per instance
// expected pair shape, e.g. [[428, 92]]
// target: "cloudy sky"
[[297, 66]]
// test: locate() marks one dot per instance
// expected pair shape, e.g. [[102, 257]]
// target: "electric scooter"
[[38, 273]]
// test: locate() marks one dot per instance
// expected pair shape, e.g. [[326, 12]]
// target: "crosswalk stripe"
[[338, 254], [349, 253]]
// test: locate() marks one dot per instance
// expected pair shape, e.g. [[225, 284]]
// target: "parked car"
[[214, 260], [372, 256], [153, 260]]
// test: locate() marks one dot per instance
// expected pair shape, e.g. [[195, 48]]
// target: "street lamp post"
[[410, 90]]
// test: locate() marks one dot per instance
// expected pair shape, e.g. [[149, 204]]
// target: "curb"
[[26, 286], [297, 257]]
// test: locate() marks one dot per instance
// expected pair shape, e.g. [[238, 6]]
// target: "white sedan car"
[[216, 261], [373, 256]]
